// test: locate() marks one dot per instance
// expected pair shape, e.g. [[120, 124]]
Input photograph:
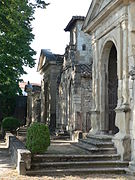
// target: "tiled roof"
[[73, 21], [85, 69]]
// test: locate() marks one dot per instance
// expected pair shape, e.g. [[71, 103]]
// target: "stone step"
[[22, 131], [95, 150], [101, 138], [74, 158], [60, 137], [22, 138], [97, 143], [76, 171], [78, 164]]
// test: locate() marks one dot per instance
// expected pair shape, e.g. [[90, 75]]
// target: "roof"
[[49, 55], [85, 69], [73, 21], [50, 58]]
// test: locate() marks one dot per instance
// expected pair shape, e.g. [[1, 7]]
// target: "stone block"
[[76, 135], [24, 161], [21, 157]]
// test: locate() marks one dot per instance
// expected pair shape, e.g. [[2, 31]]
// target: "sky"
[[48, 28]]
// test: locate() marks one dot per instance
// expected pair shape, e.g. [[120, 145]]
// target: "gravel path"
[[12, 175]]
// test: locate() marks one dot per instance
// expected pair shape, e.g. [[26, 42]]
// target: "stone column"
[[125, 91], [36, 107], [95, 91], [131, 19], [29, 108], [43, 120], [122, 138]]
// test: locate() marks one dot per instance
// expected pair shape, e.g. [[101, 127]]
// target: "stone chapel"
[[74, 81], [111, 24]]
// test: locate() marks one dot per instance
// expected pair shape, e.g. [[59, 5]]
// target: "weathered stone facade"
[[49, 66], [33, 103], [74, 81], [112, 26]]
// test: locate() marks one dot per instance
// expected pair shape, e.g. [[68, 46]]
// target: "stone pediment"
[[45, 56], [98, 7], [95, 8]]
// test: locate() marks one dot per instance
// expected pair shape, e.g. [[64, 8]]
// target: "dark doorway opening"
[[112, 89]]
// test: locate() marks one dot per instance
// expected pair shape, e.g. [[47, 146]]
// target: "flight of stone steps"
[[102, 158], [64, 135], [21, 133], [99, 144]]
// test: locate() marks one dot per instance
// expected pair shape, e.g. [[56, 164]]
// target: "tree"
[[15, 50], [41, 4]]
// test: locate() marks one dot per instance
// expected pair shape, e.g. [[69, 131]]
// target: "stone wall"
[[74, 85], [75, 100], [21, 157]]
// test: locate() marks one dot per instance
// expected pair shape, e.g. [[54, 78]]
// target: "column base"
[[95, 125], [131, 168], [123, 145], [122, 139]]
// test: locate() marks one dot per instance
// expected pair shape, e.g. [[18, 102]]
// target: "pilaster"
[[42, 102], [122, 138], [95, 115], [131, 169]]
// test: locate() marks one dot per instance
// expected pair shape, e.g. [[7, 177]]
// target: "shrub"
[[10, 123], [38, 138]]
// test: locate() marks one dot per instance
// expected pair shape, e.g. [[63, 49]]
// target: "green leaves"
[[15, 40], [15, 51], [41, 4], [38, 138], [10, 123]]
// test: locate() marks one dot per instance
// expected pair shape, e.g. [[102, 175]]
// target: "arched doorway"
[[109, 89], [112, 89]]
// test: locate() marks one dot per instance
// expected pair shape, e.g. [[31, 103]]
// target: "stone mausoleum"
[[111, 24], [74, 81], [49, 67]]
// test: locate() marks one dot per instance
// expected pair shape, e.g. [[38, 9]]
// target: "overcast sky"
[[48, 28]]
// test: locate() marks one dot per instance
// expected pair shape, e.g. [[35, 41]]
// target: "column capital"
[[132, 73], [124, 24]]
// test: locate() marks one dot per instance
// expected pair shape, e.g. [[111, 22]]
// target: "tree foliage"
[[15, 50], [41, 4]]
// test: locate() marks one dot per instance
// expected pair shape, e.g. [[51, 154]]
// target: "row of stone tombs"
[[79, 93]]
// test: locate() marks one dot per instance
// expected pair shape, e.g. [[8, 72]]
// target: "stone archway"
[[108, 89]]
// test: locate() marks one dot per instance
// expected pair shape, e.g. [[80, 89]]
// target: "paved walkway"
[[6, 164], [64, 147], [8, 172]]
